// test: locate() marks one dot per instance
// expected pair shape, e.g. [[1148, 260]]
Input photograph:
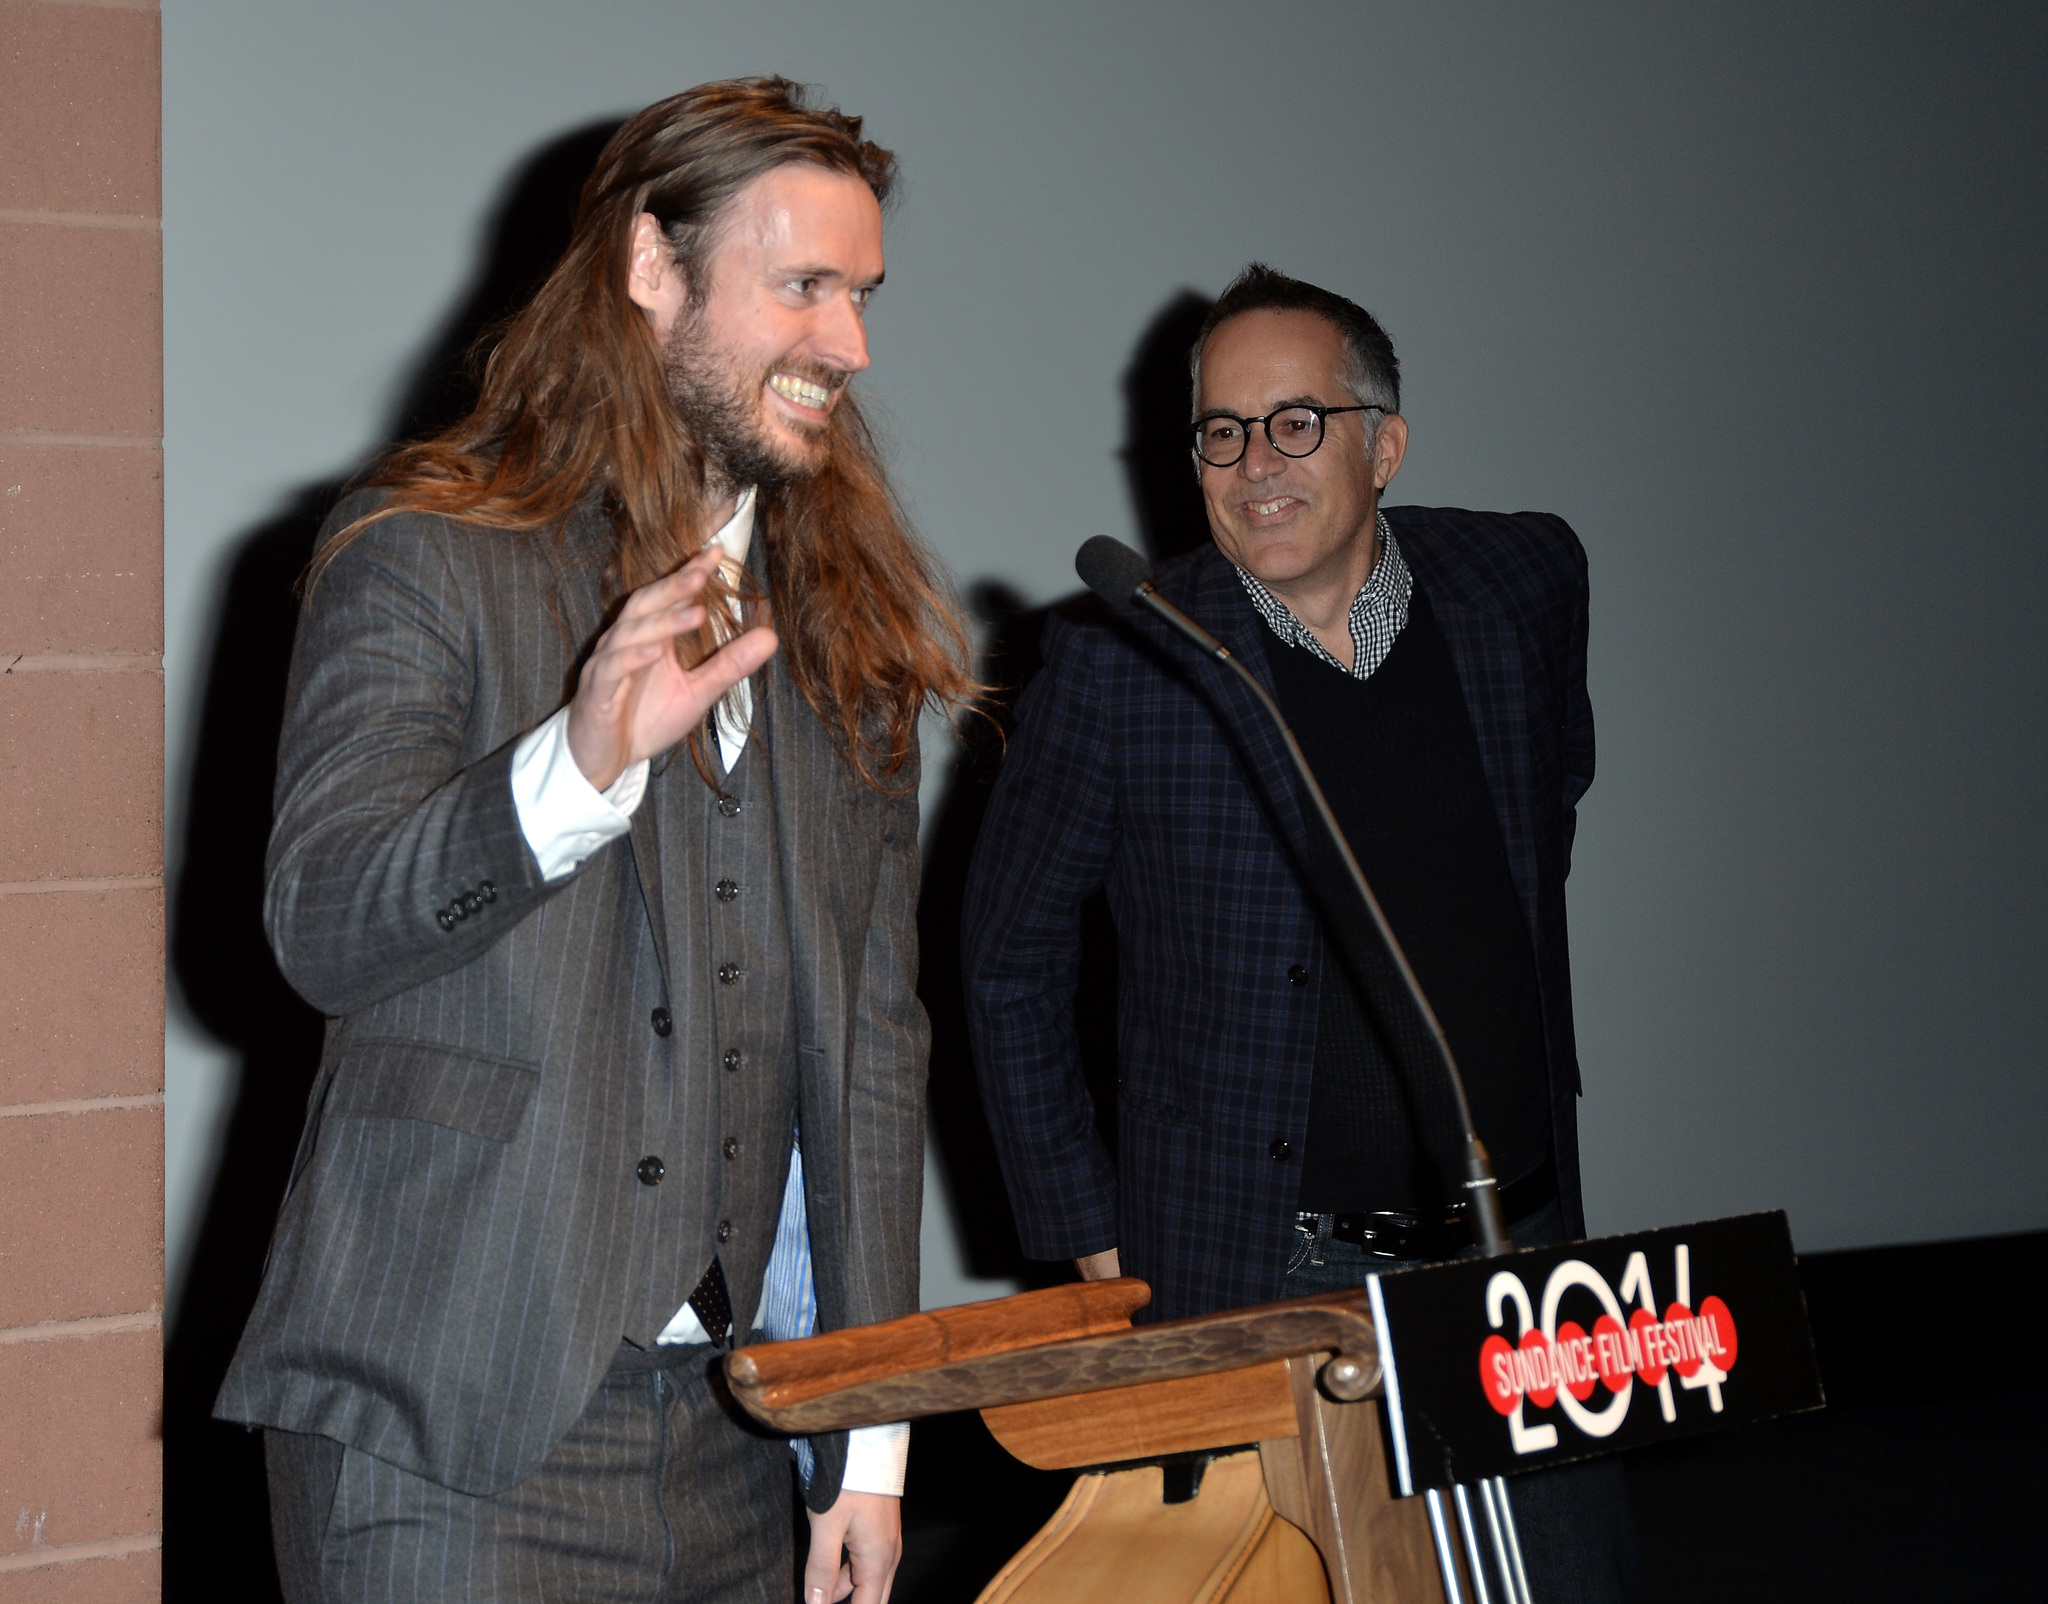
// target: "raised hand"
[[634, 698]]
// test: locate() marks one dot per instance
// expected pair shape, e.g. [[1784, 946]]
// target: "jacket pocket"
[[465, 1091]]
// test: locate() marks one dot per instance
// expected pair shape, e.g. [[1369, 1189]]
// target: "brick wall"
[[81, 802]]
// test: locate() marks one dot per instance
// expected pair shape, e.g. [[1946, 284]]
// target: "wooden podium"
[[1233, 1457], [1257, 1454]]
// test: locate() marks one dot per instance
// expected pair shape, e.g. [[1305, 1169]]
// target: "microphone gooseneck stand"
[[1123, 578]]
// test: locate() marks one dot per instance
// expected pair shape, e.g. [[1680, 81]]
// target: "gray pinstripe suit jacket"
[[451, 1271]]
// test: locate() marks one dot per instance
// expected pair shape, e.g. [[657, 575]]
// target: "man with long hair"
[[596, 838]]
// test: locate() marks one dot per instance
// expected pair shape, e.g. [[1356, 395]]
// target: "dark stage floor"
[[1916, 1482]]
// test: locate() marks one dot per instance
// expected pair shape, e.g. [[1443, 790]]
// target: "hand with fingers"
[[634, 698], [855, 1548]]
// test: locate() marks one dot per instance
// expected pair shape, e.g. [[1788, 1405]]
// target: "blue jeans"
[[1577, 1530]]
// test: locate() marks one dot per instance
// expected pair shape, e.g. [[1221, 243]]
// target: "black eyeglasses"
[[1292, 431]]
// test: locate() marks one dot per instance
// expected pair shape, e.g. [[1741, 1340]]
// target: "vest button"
[[725, 1230], [1296, 975], [663, 1021], [727, 890], [1280, 1150], [732, 1147], [733, 1058], [650, 1170], [728, 974], [729, 806]]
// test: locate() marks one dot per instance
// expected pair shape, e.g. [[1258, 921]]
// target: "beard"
[[721, 406]]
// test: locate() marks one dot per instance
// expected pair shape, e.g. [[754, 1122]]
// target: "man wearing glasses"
[[1432, 663]]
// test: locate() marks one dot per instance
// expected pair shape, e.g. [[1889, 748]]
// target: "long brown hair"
[[574, 405]]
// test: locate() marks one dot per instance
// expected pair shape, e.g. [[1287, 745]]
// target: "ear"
[[1389, 446], [654, 282]]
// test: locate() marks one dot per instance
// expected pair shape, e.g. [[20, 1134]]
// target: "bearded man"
[[607, 888]]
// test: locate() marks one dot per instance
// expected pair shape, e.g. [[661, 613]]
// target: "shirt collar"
[[1389, 580], [738, 532], [1379, 612]]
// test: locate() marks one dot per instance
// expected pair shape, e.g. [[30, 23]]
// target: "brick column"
[[81, 802]]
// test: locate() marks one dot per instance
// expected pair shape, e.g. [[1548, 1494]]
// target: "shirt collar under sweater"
[[1379, 612]]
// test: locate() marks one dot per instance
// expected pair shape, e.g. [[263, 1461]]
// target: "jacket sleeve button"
[[1296, 975], [663, 1021], [1280, 1149], [444, 918]]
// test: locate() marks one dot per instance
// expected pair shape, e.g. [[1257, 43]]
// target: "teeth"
[[801, 391], [1263, 508]]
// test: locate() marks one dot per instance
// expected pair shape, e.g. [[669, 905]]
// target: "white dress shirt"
[[566, 819]]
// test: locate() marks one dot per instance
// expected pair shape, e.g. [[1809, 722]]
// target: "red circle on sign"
[[1715, 1313], [1685, 1345], [1574, 1354], [1538, 1362], [1497, 1373], [1610, 1349], [1644, 1325]]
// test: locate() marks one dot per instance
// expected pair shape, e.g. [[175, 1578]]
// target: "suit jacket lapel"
[[808, 788], [578, 563], [820, 858], [1215, 598], [827, 862], [1487, 652], [646, 842]]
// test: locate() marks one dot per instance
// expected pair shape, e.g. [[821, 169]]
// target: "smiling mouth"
[[1266, 509], [801, 392]]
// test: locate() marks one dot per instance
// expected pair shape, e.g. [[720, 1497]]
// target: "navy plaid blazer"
[[1140, 768]]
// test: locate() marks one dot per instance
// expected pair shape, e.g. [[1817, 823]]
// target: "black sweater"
[[1397, 757]]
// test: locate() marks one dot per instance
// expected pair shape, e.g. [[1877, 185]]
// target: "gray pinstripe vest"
[[721, 1090]]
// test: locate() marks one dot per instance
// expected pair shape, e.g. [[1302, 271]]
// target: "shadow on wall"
[[1171, 521], [216, 1518]]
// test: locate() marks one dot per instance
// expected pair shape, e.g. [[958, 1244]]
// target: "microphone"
[[1123, 578]]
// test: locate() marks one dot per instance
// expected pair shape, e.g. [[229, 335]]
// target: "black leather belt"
[[1439, 1234]]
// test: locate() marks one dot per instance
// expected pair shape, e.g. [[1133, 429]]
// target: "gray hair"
[[1372, 373]]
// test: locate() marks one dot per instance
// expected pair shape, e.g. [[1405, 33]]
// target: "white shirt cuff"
[[562, 815], [876, 1458]]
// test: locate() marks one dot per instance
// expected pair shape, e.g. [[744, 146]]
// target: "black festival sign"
[[1495, 1366]]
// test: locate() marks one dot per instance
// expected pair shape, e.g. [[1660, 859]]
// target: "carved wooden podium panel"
[[1116, 1537], [1331, 1481], [1148, 1420], [1297, 1507]]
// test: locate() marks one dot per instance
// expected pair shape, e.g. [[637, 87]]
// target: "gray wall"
[[1748, 294]]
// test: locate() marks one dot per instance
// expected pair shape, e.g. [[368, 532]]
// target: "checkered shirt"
[[1379, 612]]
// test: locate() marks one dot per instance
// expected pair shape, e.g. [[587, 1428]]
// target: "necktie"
[[713, 1304]]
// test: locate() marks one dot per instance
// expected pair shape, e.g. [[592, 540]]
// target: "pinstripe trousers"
[[660, 1494]]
